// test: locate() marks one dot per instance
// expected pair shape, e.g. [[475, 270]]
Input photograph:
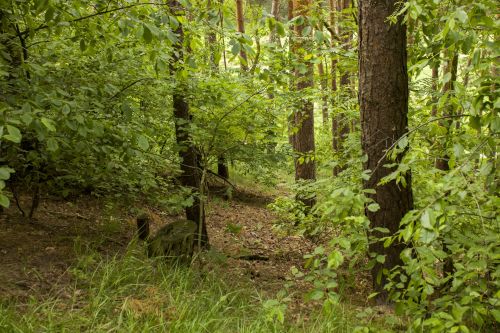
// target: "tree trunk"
[[240, 18], [290, 118], [222, 169], [333, 71], [451, 67], [275, 11], [340, 122], [190, 173], [212, 45], [383, 97], [305, 166], [323, 79], [435, 81]]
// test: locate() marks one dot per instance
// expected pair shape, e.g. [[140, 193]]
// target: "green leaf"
[[14, 134], [475, 122], [427, 236], [373, 207], [4, 201], [142, 142], [26, 118], [297, 20], [5, 172], [280, 29], [52, 144], [403, 142], [446, 78], [461, 15], [496, 314], [316, 295], [236, 48], [427, 219], [335, 259], [307, 31], [49, 124], [146, 34], [66, 109], [318, 36], [83, 45]]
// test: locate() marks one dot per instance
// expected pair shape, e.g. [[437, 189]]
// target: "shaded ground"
[[35, 257]]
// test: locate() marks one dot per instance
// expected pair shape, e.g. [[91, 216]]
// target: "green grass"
[[130, 293]]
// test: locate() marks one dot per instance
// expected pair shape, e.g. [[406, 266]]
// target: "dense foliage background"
[[86, 108]]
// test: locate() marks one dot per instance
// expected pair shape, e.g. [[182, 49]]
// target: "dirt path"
[[35, 257]]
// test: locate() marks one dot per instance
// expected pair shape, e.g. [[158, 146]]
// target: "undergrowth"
[[130, 293]]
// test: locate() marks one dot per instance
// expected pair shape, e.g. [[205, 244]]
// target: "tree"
[[190, 173], [240, 18], [275, 11], [340, 122], [303, 142], [383, 98], [222, 168], [448, 91]]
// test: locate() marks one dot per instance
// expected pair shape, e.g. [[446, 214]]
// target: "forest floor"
[[36, 257]]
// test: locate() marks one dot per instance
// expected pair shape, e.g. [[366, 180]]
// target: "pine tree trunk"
[[290, 118], [240, 18], [212, 45], [383, 97], [222, 169], [451, 67], [190, 173], [340, 128], [435, 81], [305, 166], [323, 79], [275, 10]]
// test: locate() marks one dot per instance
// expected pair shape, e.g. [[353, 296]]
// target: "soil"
[[35, 255]]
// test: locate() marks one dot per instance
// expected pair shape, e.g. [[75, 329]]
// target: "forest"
[[249, 166]]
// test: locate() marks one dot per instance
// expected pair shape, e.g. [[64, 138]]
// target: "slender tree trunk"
[[290, 118], [435, 81], [333, 24], [222, 168], [333, 70], [323, 79], [448, 87], [383, 97], [190, 173], [212, 45], [240, 18], [305, 166], [275, 11], [340, 128]]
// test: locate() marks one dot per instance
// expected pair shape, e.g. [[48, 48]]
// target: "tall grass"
[[130, 293]]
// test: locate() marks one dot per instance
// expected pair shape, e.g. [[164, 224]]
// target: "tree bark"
[[435, 80], [275, 11], [442, 163], [222, 169], [240, 18], [290, 118], [305, 166], [190, 173], [340, 123], [323, 79], [212, 45], [383, 97]]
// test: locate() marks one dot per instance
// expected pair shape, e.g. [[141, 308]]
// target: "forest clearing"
[[249, 166]]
